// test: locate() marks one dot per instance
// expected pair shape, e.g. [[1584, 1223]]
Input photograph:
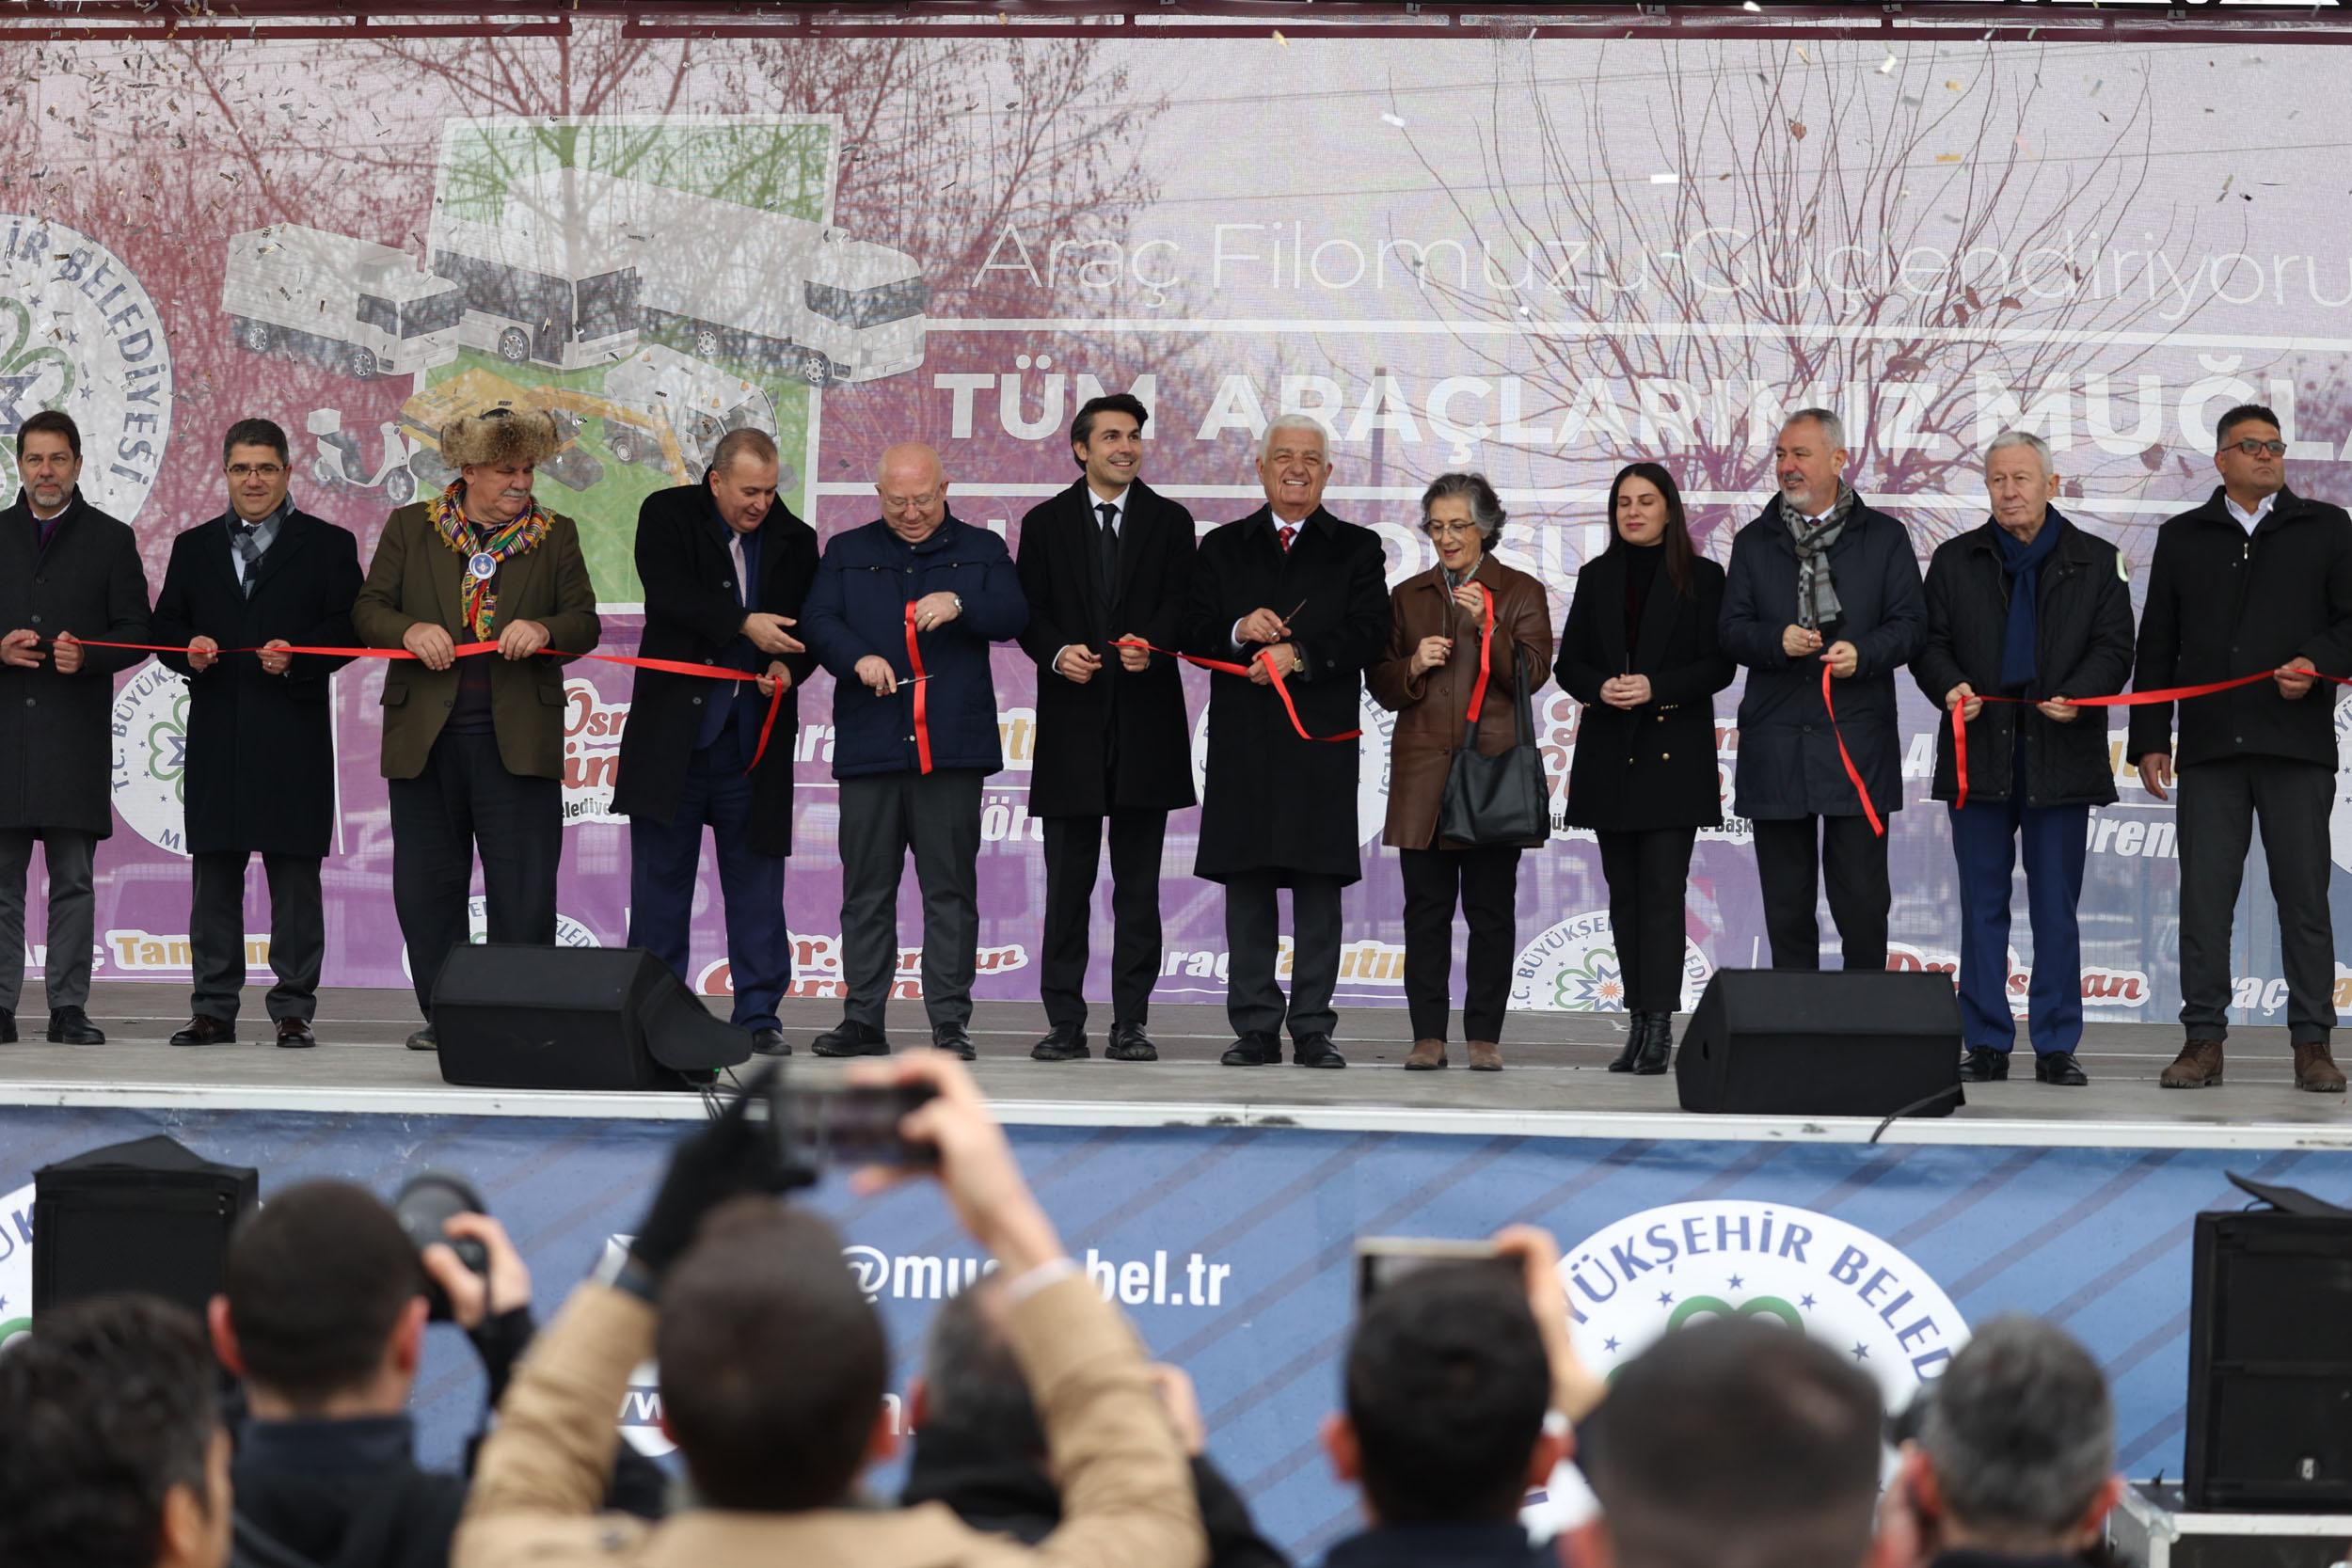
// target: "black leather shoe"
[[850, 1039], [953, 1037], [7, 1027], [1066, 1044], [1984, 1064], [2060, 1066], [770, 1042], [425, 1039], [204, 1029], [1636, 1042], [72, 1026], [1253, 1051], [1129, 1043], [293, 1033], [1316, 1050], [1658, 1046]]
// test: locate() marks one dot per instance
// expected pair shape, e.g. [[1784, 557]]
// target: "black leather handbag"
[[1499, 800]]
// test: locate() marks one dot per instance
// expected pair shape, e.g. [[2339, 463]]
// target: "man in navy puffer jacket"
[[902, 612]]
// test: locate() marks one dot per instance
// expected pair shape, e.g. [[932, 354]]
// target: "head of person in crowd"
[[1463, 517], [2016, 1455], [1809, 458], [1107, 439], [2021, 481], [972, 1396], [1294, 464], [322, 1308], [48, 460], [497, 454], [912, 483], [1733, 1443], [2249, 453], [115, 1455], [744, 473], [1447, 1384], [1646, 512], [254, 457], [773, 1364]]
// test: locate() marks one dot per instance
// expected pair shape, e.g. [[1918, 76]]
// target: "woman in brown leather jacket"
[[1427, 677]]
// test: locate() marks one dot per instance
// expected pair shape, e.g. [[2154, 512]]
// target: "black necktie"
[[1110, 514]]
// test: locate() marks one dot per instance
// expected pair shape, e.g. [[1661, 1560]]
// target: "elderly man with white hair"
[[902, 611], [2032, 611], [1288, 591]]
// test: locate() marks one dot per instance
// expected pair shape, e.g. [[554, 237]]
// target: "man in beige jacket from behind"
[[773, 1371]]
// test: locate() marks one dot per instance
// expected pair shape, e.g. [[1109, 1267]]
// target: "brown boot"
[[1426, 1055], [2198, 1067], [2314, 1070], [1485, 1056]]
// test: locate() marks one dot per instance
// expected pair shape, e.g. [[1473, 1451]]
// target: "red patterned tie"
[[1286, 535]]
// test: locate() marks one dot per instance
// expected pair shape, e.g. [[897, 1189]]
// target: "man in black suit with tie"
[[724, 566], [1106, 562], [1289, 590], [259, 773]]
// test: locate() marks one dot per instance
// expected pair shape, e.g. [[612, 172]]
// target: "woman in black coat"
[[1639, 652]]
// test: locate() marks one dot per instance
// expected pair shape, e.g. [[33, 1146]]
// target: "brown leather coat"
[[1433, 707]]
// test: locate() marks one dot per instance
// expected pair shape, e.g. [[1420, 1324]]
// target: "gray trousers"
[[937, 815], [72, 914], [2219, 804]]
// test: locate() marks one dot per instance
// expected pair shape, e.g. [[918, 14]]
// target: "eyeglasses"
[[909, 503], [1441, 531], [2255, 449], [246, 471]]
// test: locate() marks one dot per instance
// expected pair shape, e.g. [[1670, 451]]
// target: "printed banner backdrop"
[[1890, 1254], [1539, 258]]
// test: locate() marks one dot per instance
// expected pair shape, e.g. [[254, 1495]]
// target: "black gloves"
[[730, 1157]]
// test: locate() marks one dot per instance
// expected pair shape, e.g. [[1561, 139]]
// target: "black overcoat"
[[1652, 766]]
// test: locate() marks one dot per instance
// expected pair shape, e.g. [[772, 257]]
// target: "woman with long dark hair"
[[1639, 652]]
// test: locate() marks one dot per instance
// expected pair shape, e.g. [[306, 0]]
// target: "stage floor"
[[1554, 1083]]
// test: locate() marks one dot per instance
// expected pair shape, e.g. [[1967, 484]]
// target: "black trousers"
[[1792, 857], [1488, 883], [1253, 999], [466, 801], [297, 932], [1648, 873], [937, 815], [1073, 852], [2218, 804]]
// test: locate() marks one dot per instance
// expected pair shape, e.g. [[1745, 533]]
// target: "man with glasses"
[[2257, 578], [902, 612], [259, 763]]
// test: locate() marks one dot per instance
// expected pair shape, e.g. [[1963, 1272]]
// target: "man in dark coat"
[[2031, 610], [1106, 561], [1819, 580], [1307, 592], [260, 773], [724, 568], [66, 572], [902, 612], [2258, 577]]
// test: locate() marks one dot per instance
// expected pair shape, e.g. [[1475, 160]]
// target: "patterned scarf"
[[1816, 585], [500, 543]]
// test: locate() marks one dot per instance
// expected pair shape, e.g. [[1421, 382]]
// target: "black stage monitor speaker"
[[148, 1216], [514, 1017], [2271, 1360], [1801, 1042]]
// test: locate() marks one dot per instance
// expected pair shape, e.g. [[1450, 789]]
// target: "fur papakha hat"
[[500, 434]]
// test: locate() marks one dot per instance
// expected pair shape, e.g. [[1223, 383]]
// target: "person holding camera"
[[322, 1315], [773, 1368]]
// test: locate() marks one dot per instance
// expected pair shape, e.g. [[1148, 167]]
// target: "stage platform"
[[1554, 1083]]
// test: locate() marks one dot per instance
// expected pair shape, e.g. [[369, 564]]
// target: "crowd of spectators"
[[1043, 1433]]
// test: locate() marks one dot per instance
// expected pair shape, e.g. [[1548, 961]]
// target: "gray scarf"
[[1816, 585]]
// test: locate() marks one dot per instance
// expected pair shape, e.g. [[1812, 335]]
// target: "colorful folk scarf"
[[471, 542]]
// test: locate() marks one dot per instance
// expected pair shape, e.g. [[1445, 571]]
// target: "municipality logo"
[[1668, 1268], [16, 1264], [151, 757], [1574, 968], [79, 333]]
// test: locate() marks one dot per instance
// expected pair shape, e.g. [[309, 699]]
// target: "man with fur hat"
[[473, 746]]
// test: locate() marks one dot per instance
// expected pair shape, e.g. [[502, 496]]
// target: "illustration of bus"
[[751, 285], [540, 292], [365, 309]]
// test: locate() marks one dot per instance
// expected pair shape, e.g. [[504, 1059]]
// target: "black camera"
[[811, 1125], [424, 1205]]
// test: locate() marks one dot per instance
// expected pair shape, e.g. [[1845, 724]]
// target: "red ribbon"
[[1485, 647], [1225, 667], [1878, 826], [921, 684], [468, 650]]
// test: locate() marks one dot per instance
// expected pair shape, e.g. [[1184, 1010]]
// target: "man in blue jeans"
[[2029, 610]]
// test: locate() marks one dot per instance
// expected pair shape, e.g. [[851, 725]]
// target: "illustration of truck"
[[698, 403], [752, 285], [365, 309], [536, 292]]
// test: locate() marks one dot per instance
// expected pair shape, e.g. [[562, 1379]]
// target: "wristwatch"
[[958, 600]]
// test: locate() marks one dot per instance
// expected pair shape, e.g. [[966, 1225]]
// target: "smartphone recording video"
[[1382, 1260], [813, 1126]]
